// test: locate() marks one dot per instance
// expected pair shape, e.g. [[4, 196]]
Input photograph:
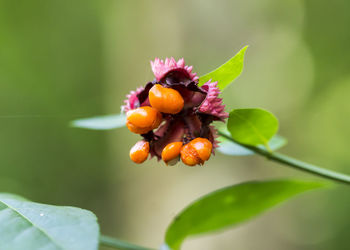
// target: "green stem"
[[292, 162], [120, 244]]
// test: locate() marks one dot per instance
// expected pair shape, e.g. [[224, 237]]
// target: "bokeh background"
[[63, 59]]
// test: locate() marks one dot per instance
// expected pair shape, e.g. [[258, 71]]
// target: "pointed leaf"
[[31, 226], [101, 122], [230, 206], [252, 126], [227, 72]]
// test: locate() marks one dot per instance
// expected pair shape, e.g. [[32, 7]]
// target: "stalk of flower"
[[173, 115]]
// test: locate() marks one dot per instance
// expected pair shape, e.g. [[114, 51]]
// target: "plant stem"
[[292, 162], [120, 244]]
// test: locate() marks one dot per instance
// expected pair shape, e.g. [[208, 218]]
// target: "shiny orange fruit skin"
[[139, 152], [196, 151], [143, 119], [166, 100], [189, 156], [203, 147], [171, 151]]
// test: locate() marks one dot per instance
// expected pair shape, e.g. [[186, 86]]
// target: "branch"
[[119, 244], [292, 162]]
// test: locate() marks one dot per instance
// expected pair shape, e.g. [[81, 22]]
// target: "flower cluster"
[[173, 115]]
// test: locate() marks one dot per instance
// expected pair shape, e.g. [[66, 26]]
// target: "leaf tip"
[[245, 48], [72, 124]]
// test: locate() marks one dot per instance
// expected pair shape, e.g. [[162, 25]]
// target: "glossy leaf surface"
[[101, 122], [252, 126], [230, 206], [226, 73], [31, 226]]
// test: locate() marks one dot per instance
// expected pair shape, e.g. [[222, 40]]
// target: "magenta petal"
[[132, 100], [213, 136], [161, 68], [212, 104]]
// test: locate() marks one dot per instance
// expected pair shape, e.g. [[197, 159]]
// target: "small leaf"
[[228, 147], [230, 206], [252, 126], [101, 122], [227, 72], [31, 226]]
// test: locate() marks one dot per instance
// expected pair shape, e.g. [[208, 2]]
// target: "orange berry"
[[171, 152], [165, 100], [143, 119], [203, 147], [139, 152], [196, 151], [189, 156]]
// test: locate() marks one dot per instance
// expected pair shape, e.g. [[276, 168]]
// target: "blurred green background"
[[62, 59]]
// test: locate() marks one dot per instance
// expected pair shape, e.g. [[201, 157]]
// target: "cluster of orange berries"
[[142, 120], [173, 114]]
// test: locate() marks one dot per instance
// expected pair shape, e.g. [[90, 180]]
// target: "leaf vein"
[[34, 225], [264, 140]]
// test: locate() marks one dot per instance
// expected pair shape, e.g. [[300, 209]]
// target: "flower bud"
[[143, 119], [139, 152], [166, 100], [196, 151], [171, 152]]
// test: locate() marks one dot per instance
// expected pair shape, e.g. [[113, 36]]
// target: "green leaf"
[[227, 72], [232, 205], [228, 147], [252, 126], [31, 226], [101, 122]]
